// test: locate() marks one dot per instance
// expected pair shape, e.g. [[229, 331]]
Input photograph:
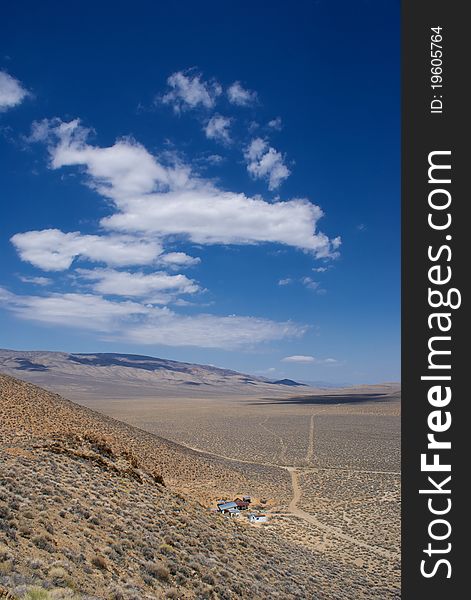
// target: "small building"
[[225, 507], [247, 499], [233, 513], [258, 518], [242, 504]]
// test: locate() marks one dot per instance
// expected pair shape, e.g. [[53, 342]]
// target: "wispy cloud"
[[54, 250], [35, 280], [264, 162], [306, 359], [138, 284], [146, 324], [241, 96], [310, 283], [188, 90], [298, 358], [276, 124], [285, 281], [12, 92], [217, 128]]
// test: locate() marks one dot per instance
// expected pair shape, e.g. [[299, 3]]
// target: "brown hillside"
[[43, 413]]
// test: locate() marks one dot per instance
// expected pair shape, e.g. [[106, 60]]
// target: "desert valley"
[[113, 466]]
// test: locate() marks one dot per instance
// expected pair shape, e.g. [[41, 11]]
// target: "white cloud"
[[276, 124], [214, 159], [207, 215], [35, 280], [120, 171], [178, 260], [84, 311], [286, 281], [12, 92], [138, 285], [143, 324], [54, 250], [303, 359], [299, 358], [310, 283], [264, 162], [159, 200], [188, 91], [217, 129], [320, 269], [240, 96]]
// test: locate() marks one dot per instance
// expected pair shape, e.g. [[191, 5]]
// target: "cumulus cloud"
[[12, 93], [146, 324], [188, 90], [217, 128], [54, 250], [264, 162], [178, 260], [122, 170], [207, 215], [303, 359], [276, 124], [138, 284], [160, 200], [240, 96]]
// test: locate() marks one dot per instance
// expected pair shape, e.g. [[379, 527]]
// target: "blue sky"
[[204, 184]]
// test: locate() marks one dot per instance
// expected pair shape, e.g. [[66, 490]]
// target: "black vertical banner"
[[435, 431]]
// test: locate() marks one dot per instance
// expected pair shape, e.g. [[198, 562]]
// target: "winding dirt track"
[[310, 447], [334, 531], [293, 508]]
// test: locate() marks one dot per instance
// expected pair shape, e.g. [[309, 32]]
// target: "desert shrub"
[[58, 575], [36, 593], [166, 549], [43, 543], [49, 528], [6, 567], [157, 477], [173, 593], [99, 562], [157, 570], [25, 531], [36, 563], [116, 593], [208, 578], [5, 553]]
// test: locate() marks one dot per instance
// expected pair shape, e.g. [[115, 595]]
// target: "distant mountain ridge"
[[58, 370], [289, 382]]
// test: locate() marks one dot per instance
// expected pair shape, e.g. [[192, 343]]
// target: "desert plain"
[[322, 464]]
